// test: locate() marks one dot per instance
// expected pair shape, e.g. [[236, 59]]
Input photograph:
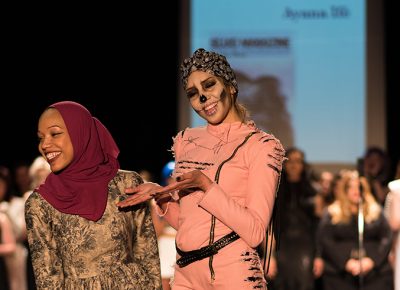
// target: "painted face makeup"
[[209, 97]]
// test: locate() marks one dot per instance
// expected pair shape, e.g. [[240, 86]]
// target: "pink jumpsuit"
[[241, 200]]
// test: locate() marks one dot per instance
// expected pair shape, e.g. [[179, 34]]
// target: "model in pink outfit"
[[227, 174]]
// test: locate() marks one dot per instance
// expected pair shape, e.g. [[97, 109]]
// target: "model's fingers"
[[131, 190], [188, 176], [169, 188], [133, 200], [187, 191], [162, 197]]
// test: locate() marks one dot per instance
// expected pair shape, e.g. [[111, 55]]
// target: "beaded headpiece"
[[209, 62]]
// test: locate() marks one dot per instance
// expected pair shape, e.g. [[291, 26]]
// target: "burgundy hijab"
[[82, 187]]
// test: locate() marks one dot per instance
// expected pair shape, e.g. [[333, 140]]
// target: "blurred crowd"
[[337, 229], [15, 186]]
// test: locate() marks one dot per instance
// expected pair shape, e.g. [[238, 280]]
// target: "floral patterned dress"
[[119, 251]]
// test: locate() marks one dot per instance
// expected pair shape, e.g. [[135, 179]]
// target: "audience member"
[[355, 239]]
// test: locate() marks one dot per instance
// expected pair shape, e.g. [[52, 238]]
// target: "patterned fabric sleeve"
[[145, 247], [146, 265], [46, 264]]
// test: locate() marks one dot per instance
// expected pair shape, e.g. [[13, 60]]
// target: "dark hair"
[[384, 173]]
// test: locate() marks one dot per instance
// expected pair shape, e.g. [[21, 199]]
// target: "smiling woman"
[[225, 179], [89, 243], [54, 141]]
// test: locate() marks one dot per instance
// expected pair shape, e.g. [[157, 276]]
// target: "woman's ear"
[[232, 90]]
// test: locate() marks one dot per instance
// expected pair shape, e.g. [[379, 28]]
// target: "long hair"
[[340, 210]]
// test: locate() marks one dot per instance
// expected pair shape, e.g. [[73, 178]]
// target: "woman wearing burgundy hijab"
[[78, 237]]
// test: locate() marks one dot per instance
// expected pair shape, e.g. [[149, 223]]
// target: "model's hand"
[[187, 183], [318, 267], [141, 193], [357, 267], [367, 264], [353, 267]]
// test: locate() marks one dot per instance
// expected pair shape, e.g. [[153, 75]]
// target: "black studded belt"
[[204, 252]]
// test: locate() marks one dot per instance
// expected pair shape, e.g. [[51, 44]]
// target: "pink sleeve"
[[250, 221], [170, 214]]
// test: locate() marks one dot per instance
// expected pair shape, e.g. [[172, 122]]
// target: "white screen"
[[301, 68]]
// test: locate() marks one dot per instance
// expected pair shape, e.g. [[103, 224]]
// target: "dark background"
[[106, 57], [122, 68]]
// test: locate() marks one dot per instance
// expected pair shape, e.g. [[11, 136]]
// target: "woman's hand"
[[367, 264], [141, 193], [353, 267], [187, 183], [318, 267], [184, 184], [357, 267]]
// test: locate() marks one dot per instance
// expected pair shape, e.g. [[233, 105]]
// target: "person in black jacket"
[[355, 239], [298, 224]]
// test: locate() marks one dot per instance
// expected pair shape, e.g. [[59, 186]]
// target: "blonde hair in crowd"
[[38, 171], [341, 209]]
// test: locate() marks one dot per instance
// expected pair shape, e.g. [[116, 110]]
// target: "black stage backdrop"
[[392, 82], [122, 68]]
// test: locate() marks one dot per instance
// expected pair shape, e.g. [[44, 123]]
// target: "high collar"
[[225, 131]]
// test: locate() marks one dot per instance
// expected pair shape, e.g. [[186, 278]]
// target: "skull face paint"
[[210, 98]]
